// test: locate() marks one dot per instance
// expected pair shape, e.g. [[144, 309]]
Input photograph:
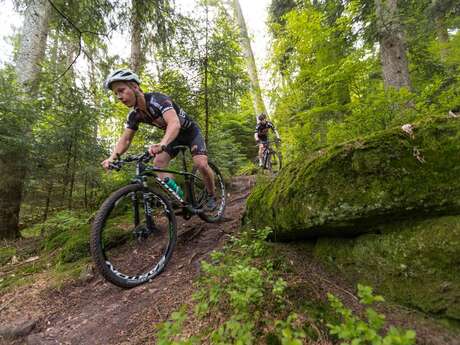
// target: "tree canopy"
[[331, 66]]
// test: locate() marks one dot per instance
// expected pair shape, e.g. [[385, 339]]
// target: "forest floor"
[[92, 311]]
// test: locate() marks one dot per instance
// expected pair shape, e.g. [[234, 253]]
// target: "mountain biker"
[[161, 111], [261, 134]]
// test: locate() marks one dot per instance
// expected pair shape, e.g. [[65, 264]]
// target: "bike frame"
[[143, 171], [266, 153]]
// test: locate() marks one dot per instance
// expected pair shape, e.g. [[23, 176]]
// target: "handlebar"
[[118, 164]]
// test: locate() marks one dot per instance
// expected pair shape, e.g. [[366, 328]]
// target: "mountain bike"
[[271, 159], [134, 233]]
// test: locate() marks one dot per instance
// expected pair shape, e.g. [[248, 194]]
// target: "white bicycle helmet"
[[121, 75]]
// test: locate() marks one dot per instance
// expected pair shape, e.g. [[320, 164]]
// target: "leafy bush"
[[358, 331], [67, 232], [238, 284], [242, 299]]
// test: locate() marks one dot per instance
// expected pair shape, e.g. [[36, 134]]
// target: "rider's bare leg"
[[201, 162], [261, 150], [162, 160]]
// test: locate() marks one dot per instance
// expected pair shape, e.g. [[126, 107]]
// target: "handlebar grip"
[[114, 166], [146, 157]]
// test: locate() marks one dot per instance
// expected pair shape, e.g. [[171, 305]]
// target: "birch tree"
[[259, 105], [136, 36], [152, 29], [395, 68], [13, 160]]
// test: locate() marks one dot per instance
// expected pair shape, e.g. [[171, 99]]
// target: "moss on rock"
[[416, 263], [349, 188]]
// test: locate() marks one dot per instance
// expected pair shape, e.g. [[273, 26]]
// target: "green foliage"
[[241, 299], [290, 333], [168, 332], [413, 262], [68, 233], [238, 285], [377, 112], [369, 179], [357, 331], [14, 126], [327, 72], [250, 168], [6, 253]]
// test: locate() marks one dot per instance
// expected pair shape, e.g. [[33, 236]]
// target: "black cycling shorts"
[[190, 137], [263, 139]]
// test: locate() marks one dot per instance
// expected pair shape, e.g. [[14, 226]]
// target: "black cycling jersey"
[[262, 129], [192, 138], [157, 104]]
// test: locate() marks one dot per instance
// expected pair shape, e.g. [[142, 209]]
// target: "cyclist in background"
[[159, 110], [261, 134]]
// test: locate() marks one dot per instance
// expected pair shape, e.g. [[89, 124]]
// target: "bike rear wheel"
[[133, 236], [200, 195]]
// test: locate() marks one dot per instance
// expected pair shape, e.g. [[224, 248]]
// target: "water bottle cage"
[[173, 189]]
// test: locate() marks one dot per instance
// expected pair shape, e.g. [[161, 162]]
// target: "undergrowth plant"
[[241, 299], [238, 285], [357, 331]]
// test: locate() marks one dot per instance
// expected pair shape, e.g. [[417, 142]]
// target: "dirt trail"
[[97, 312]]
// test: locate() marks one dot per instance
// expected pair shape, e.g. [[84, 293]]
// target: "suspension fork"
[[148, 211], [265, 156], [135, 206]]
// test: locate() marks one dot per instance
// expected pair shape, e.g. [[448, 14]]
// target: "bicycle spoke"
[[134, 249]]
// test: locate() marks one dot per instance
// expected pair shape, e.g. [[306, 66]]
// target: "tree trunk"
[[259, 105], [443, 37], [12, 170], [48, 200], [12, 162], [33, 43], [85, 191], [72, 179], [395, 68], [66, 177], [136, 36]]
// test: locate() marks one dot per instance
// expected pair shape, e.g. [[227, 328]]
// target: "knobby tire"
[[161, 237]]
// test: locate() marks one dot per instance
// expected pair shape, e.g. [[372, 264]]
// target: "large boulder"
[[350, 188], [413, 262]]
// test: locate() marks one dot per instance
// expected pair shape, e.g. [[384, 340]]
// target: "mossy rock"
[[349, 188], [416, 263]]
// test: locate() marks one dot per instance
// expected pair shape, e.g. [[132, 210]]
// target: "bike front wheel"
[[200, 195], [133, 236], [273, 162]]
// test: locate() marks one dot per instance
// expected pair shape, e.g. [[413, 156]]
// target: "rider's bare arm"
[[123, 143], [276, 133], [172, 126], [121, 147]]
